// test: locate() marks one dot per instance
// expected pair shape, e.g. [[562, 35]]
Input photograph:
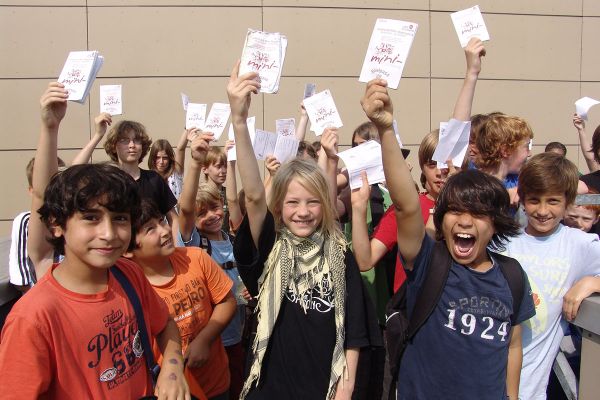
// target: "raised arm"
[[231, 194], [378, 106], [187, 200], [584, 143], [187, 134], [367, 252], [101, 123], [239, 90], [473, 53], [272, 164], [302, 124], [328, 161], [53, 109]]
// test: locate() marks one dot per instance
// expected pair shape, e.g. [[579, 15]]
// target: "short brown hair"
[[119, 130], [548, 173], [499, 134], [427, 147]]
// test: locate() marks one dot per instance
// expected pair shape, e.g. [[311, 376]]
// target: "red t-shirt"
[[58, 344], [199, 283], [386, 233]]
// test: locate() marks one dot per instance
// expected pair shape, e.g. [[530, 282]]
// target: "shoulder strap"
[[139, 315], [431, 291], [512, 271], [205, 243]]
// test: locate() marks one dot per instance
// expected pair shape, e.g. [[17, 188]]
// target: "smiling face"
[[210, 218], [154, 240], [95, 237], [467, 237], [544, 212], [302, 210]]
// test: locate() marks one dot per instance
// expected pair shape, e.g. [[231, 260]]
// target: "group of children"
[[196, 252]]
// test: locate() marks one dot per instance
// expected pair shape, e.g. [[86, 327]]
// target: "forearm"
[[180, 153], [219, 319], [586, 149], [235, 213], [246, 160], [331, 174], [361, 247], [187, 200], [464, 102], [345, 385], [515, 360], [84, 155], [301, 128], [169, 343]]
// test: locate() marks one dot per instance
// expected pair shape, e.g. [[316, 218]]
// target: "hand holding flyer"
[[364, 157], [389, 46], [322, 112]]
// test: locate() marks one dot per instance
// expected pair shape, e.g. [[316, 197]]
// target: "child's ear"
[[128, 254], [56, 230]]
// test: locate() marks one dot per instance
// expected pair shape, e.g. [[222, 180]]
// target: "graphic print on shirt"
[[548, 280], [121, 343], [314, 299], [484, 316]]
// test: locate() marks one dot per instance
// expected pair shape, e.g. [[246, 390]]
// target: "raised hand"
[[377, 104]]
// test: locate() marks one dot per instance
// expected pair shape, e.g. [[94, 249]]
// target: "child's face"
[[544, 212], [434, 178], [154, 240], [96, 237], [217, 173], [467, 237], [210, 219], [129, 149], [302, 211], [580, 217], [161, 163], [518, 157]]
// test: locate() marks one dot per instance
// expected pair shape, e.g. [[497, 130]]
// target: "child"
[[214, 171], [293, 255], [200, 225], [21, 271], [582, 217], [560, 261], [127, 144], [169, 164], [75, 334], [197, 293], [584, 144], [470, 346]]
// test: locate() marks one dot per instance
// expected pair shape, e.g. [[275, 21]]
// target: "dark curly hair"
[[479, 194], [78, 187]]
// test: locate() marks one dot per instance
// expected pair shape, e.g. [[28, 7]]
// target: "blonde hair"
[[215, 156], [207, 195], [308, 174]]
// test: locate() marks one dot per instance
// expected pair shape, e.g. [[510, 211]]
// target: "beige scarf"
[[300, 264]]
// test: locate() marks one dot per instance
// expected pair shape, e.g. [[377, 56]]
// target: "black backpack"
[[207, 246], [402, 325]]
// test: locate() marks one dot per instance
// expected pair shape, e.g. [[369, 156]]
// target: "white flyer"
[[195, 116], [469, 23], [79, 72], [111, 100], [364, 157], [264, 52], [264, 144], [285, 127], [453, 142], [388, 50], [217, 119], [322, 112], [184, 101], [286, 148], [231, 153], [583, 105]]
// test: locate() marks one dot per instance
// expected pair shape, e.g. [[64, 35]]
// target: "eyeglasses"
[[126, 141]]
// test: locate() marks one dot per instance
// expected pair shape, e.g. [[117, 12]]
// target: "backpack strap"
[[153, 367], [433, 286], [513, 272]]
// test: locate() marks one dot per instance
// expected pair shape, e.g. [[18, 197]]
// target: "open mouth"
[[167, 243], [464, 244]]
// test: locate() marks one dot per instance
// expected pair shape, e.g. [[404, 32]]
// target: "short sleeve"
[[361, 324], [249, 259], [168, 200], [386, 230], [527, 309], [25, 341]]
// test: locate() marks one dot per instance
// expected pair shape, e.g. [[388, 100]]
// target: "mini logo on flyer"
[[285, 132], [323, 113], [382, 57], [111, 101], [214, 123], [384, 48], [74, 76], [469, 27], [195, 117], [260, 61]]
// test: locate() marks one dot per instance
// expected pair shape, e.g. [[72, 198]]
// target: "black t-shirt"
[[297, 363], [153, 186]]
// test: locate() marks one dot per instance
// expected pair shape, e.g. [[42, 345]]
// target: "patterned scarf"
[[300, 265]]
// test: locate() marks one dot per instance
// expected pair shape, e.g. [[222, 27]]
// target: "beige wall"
[[542, 57]]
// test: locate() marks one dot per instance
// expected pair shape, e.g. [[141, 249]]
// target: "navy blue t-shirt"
[[461, 352]]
